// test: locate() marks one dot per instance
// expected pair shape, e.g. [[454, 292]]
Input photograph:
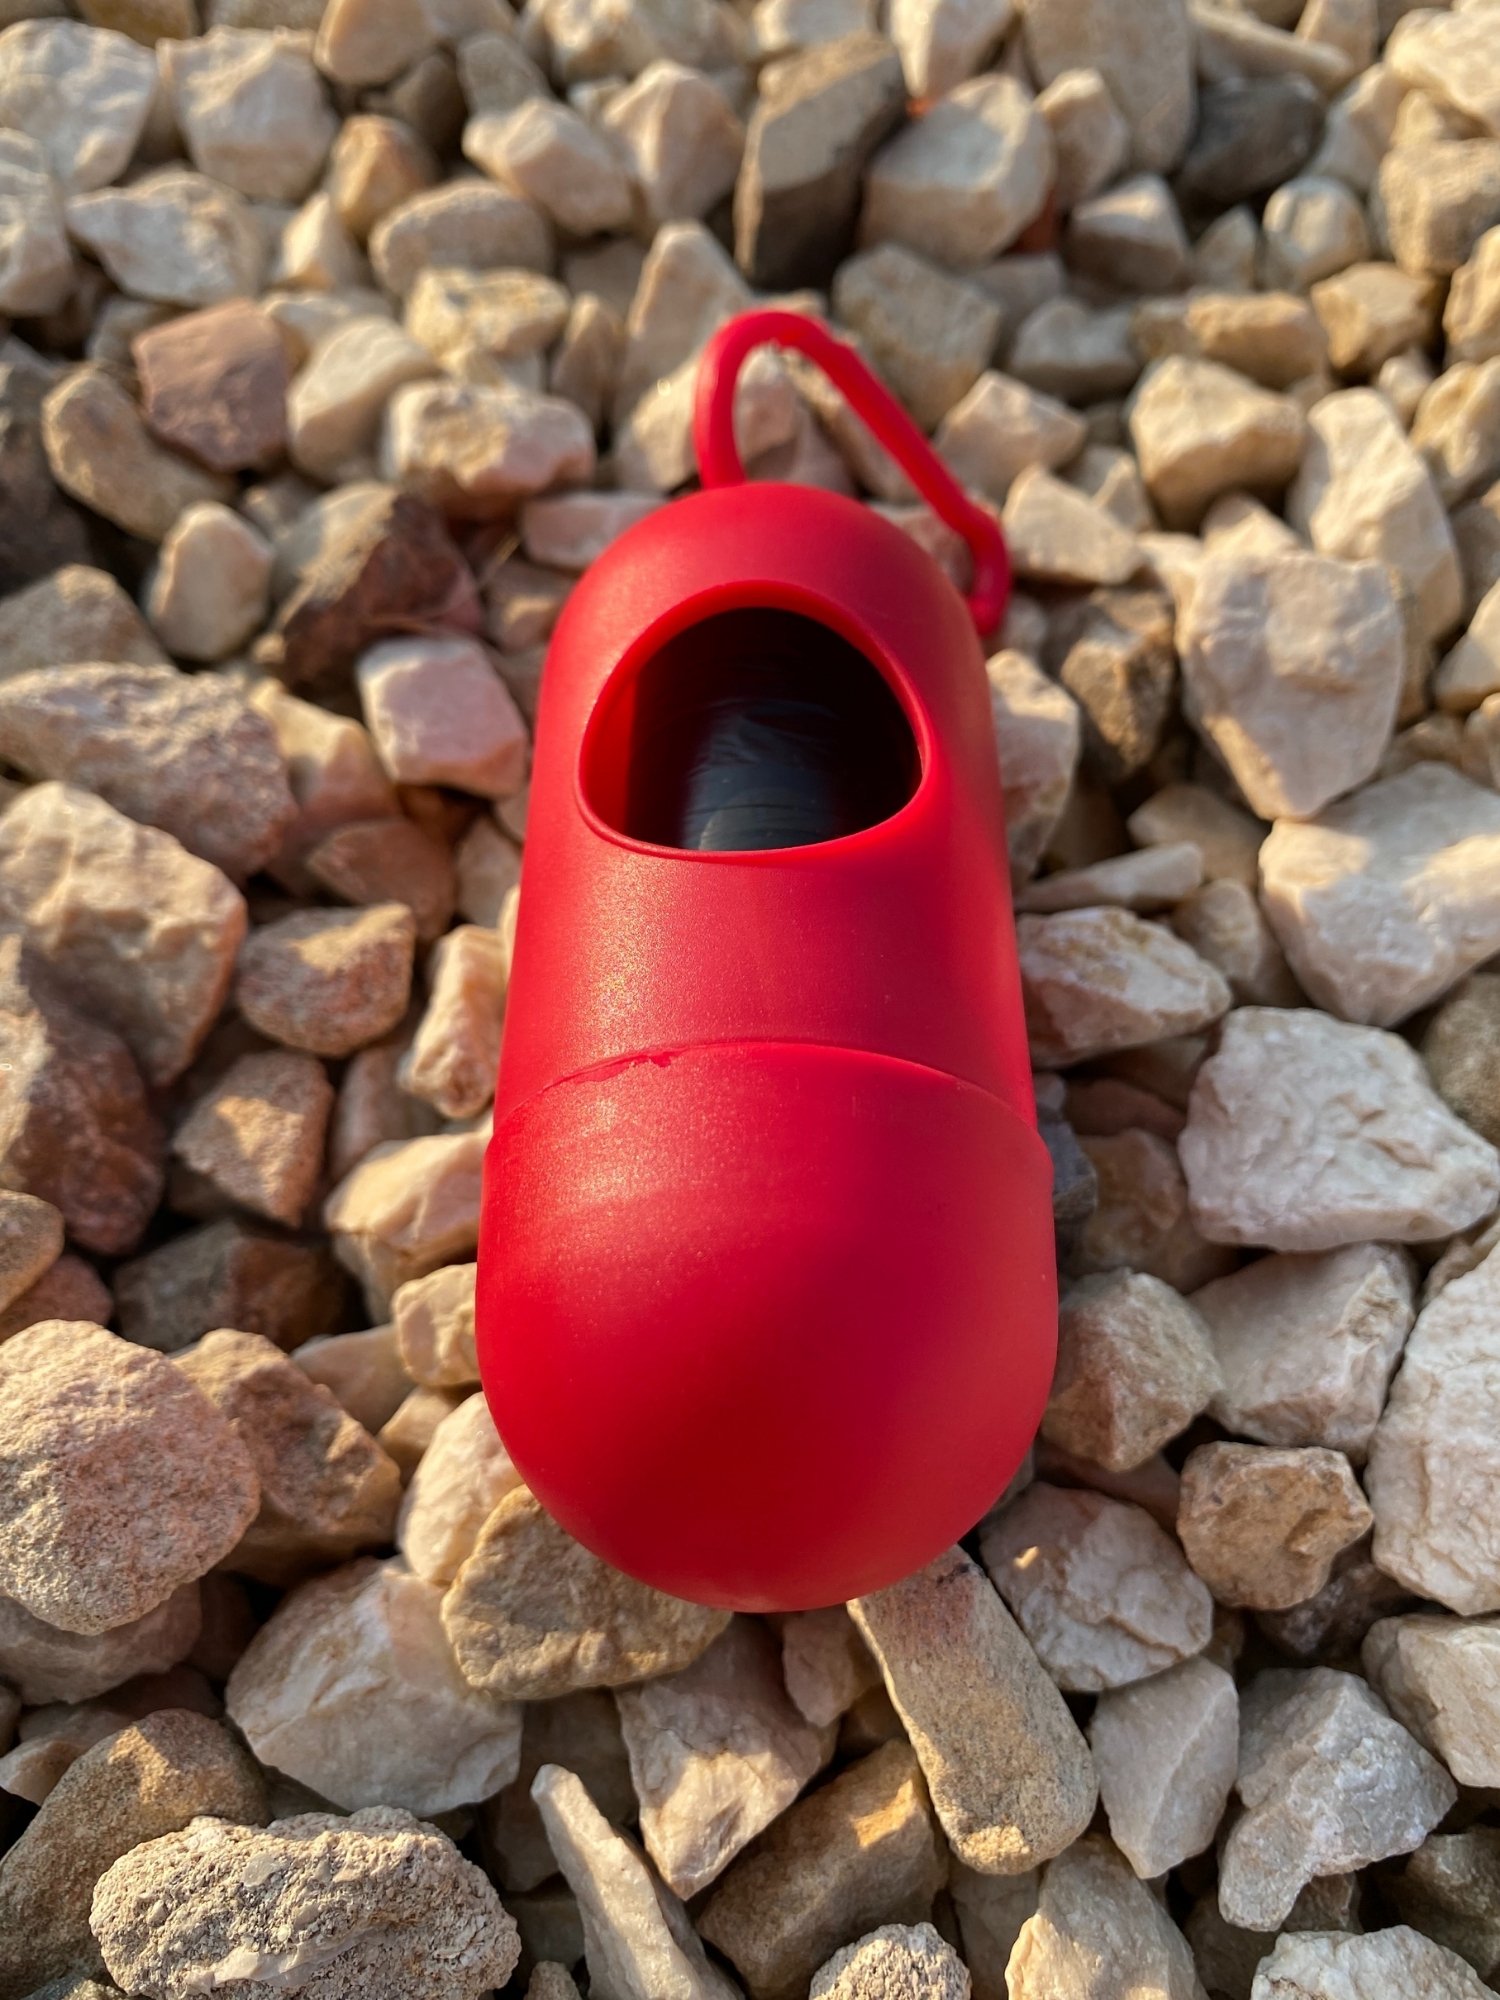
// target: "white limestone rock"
[[1365, 492], [474, 450], [82, 94], [1201, 430], [961, 183], [1292, 667], [209, 592], [464, 1475], [1332, 1965], [910, 1960], [1434, 1469], [350, 1687], [1385, 900], [1038, 732], [1305, 1133], [174, 236], [1102, 1593], [37, 274], [1329, 1782], [251, 109], [1100, 980], [1093, 1920], [1440, 1678], [1307, 1344], [716, 1752], [1166, 1750], [637, 1938]]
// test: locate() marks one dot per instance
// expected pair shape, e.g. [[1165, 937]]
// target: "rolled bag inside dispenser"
[[767, 1302]]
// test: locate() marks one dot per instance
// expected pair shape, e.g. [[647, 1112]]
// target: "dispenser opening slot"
[[753, 729]]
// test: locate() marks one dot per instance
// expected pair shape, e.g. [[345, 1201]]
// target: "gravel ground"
[[342, 340]]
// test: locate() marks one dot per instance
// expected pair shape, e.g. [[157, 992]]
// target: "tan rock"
[[463, 1476], [716, 1752], [991, 1910], [1058, 535], [1226, 837], [439, 714], [174, 237], [1471, 318], [331, 766], [1292, 668], [532, 1613], [637, 1937], [229, 1273], [465, 223], [251, 110], [1470, 674], [1262, 1525], [77, 613], [681, 139], [31, 1239], [818, 119], [585, 365], [407, 1207], [1305, 1133], [350, 1688], [895, 1958], [1075, 352], [100, 452], [1134, 1367], [1102, 979], [1363, 492], [544, 152], [133, 1787], [327, 981], [1090, 139], [1037, 733], [1001, 427], [1142, 1221], [183, 752], [1152, 879], [45, 1664], [826, 1664], [1440, 1678], [1307, 1344], [407, 1436], [488, 868], [209, 592], [435, 1328], [327, 1491], [1099, 1590], [82, 94], [1437, 197], [143, 933], [1448, 1892], [1130, 236], [1114, 654], [929, 334], [1398, 873], [484, 324], [1329, 1782], [1166, 1750], [390, 1901], [1200, 430], [860, 1851], [1371, 312], [1149, 73], [1009, 1774], [375, 165], [37, 273], [1330, 1966], [573, 530], [80, 1495], [257, 1136], [1433, 1460], [336, 404], [1093, 1918], [474, 450], [1224, 923], [362, 1369], [317, 254]]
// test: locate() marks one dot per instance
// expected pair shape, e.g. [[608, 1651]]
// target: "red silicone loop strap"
[[719, 457]]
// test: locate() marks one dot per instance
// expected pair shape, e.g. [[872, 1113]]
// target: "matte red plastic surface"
[[766, 1296]]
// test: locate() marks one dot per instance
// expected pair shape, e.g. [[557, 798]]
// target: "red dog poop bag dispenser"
[[767, 1301]]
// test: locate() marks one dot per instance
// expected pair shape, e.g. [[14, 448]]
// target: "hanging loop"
[[719, 458]]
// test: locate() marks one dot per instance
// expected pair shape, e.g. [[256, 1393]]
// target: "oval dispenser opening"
[[754, 729]]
